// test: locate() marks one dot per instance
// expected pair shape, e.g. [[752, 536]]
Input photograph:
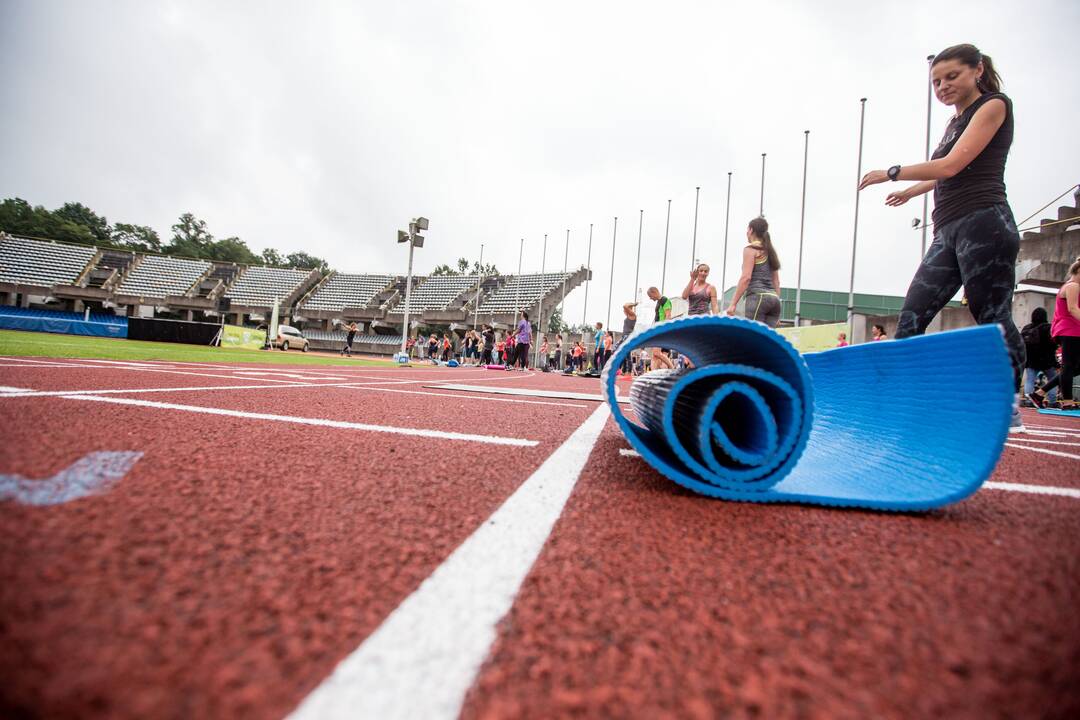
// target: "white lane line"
[[320, 422], [524, 391], [1052, 428], [1020, 438], [1033, 489], [1055, 453], [362, 386], [989, 484], [126, 391], [422, 659], [14, 390]]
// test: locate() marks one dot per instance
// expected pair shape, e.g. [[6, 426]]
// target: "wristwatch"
[[894, 172]]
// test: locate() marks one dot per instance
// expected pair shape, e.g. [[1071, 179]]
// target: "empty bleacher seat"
[[261, 286], [42, 262], [521, 291], [435, 292], [343, 290], [159, 275]]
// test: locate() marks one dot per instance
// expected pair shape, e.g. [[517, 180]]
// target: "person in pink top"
[[841, 340], [1066, 330]]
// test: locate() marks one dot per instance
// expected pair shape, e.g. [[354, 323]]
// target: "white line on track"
[[422, 659], [125, 391], [1033, 489], [363, 386], [1055, 453], [989, 484], [1017, 438], [319, 422], [525, 391]]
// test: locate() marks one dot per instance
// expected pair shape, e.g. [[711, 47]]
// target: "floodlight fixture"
[[402, 236], [421, 223]]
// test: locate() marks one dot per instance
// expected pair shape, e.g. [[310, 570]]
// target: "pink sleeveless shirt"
[[1064, 323]]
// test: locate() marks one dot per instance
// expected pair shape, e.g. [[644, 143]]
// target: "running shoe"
[[1037, 399], [1016, 425]]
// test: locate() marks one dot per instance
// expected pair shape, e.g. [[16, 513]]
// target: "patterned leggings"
[[978, 252], [763, 307]]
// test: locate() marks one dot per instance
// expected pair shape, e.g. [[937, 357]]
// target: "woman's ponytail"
[[759, 226]]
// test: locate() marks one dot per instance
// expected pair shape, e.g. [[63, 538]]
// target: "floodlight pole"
[[637, 268], [727, 218], [611, 276], [540, 307], [408, 293], [855, 232], [926, 196], [802, 227], [693, 246], [476, 303], [667, 229], [761, 201], [588, 278]]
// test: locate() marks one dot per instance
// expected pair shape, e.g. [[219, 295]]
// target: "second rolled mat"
[[901, 425]]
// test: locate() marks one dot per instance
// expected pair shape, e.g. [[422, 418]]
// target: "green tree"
[[303, 260], [231, 249], [78, 214], [556, 324], [190, 237], [443, 270], [138, 238], [465, 268], [272, 257]]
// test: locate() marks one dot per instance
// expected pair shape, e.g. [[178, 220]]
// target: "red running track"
[[241, 559]]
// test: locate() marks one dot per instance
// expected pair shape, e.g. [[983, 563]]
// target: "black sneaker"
[[1037, 399]]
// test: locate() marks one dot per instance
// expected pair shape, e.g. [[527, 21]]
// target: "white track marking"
[[91, 474], [1021, 438], [422, 659], [319, 422], [362, 386], [1055, 453], [1033, 489], [14, 390], [126, 391], [524, 391], [989, 484]]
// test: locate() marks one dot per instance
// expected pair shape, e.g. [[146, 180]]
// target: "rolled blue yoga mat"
[[901, 425]]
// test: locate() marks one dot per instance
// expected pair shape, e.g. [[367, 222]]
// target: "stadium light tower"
[[415, 240]]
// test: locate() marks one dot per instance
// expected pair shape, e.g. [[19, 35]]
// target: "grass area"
[[34, 344]]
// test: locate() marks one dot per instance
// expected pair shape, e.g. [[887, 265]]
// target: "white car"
[[290, 337]]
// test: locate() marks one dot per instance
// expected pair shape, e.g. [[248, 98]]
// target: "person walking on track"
[[975, 236], [1066, 330], [760, 279], [699, 295], [522, 339]]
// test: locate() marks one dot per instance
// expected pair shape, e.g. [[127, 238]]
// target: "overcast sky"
[[325, 127]]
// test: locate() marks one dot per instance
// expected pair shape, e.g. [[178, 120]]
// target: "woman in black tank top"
[[975, 237]]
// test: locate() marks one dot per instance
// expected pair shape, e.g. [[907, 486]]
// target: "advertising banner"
[[235, 336]]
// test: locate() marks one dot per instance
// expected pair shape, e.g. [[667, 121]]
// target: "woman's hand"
[[873, 178], [730, 310], [898, 198]]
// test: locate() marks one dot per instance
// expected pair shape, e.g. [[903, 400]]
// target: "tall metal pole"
[[540, 307], [637, 268], [408, 293], [588, 278], [476, 303], [566, 258], [667, 228], [761, 201], [611, 277], [693, 246], [802, 228], [517, 288], [727, 218], [855, 233], [929, 97]]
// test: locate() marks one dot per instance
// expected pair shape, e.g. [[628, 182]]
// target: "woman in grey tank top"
[[700, 296], [760, 279]]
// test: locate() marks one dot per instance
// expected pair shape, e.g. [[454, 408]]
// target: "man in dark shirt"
[[1040, 349]]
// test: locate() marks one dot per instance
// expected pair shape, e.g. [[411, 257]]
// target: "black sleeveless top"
[[982, 183]]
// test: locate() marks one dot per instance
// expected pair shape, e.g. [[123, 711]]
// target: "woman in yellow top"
[[760, 276]]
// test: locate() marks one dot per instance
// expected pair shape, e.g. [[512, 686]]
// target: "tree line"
[[74, 222]]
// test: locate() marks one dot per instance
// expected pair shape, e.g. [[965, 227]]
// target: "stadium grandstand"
[[60, 281]]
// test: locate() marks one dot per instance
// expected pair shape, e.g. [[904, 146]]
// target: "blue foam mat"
[[888, 426], [1060, 413]]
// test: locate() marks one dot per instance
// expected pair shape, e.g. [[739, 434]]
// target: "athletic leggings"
[[1070, 367], [977, 252], [763, 307], [521, 354]]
